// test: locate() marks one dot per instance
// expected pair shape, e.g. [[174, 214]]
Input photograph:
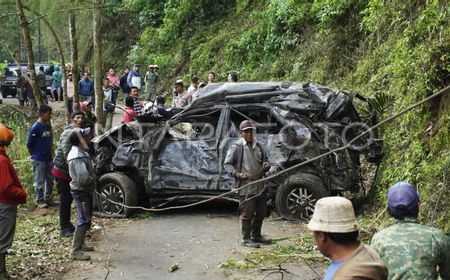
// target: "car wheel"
[[296, 197], [119, 188]]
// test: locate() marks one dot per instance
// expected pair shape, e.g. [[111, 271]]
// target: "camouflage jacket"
[[413, 251]]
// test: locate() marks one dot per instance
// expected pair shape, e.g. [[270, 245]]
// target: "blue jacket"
[[133, 73], [86, 87], [39, 142]]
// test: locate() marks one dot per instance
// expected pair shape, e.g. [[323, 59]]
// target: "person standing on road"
[[211, 77], [124, 83], [335, 233], [86, 86], [82, 188], [108, 104], [182, 99], [56, 84], [11, 194], [411, 250], [246, 161], [29, 93], [70, 92], [61, 173], [90, 119], [194, 87], [114, 83], [40, 147], [134, 78], [42, 83], [150, 80], [129, 114], [134, 93], [233, 77], [21, 90]]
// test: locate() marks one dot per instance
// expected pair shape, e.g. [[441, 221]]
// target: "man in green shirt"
[[411, 250], [150, 80]]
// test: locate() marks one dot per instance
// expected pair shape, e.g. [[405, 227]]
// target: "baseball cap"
[[245, 125], [402, 197], [85, 105], [179, 82]]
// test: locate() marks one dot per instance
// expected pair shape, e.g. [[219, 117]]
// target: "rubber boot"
[[78, 240], [256, 233], [3, 274], [87, 248], [246, 241]]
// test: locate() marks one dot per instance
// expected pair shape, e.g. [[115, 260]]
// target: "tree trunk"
[[97, 22], [60, 53], [29, 45], [74, 57]]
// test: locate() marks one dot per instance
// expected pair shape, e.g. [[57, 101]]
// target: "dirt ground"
[[197, 240]]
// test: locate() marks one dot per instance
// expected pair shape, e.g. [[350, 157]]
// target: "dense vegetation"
[[397, 48]]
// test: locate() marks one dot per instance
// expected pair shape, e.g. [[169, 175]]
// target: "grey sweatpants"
[[8, 215]]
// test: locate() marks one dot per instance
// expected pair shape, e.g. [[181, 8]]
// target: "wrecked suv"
[[178, 154]]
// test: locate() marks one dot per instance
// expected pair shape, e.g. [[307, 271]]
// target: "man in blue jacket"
[[134, 78], [40, 147], [86, 87]]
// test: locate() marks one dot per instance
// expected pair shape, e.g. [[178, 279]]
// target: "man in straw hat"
[[150, 80], [411, 250], [246, 161], [11, 194], [336, 232]]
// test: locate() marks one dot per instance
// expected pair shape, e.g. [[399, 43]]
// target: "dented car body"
[[179, 153]]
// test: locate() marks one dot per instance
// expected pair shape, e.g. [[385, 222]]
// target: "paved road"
[[197, 240]]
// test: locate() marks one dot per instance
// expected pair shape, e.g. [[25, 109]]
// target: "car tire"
[[296, 197], [116, 187]]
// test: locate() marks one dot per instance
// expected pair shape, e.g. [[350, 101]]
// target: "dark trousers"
[[253, 212], [83, 200], [8, 216], [65, 202]]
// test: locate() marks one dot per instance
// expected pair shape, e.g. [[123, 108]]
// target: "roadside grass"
[[299, 249]]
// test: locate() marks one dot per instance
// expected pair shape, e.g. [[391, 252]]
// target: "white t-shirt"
[[136, 82]]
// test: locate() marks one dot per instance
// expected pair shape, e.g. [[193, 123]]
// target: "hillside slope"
[[399, 50]]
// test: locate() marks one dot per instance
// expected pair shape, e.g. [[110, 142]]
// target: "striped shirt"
[[137, 106]]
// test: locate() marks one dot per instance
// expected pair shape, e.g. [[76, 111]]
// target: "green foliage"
[[393, 52]]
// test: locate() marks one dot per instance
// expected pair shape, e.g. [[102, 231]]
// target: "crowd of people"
[[405, 250]]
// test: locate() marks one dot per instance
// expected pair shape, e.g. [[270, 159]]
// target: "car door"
[[188, 155]]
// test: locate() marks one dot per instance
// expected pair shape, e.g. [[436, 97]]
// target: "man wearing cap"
[[61, 173], [246, 161], [335, 232], [11, 194], [134, 78], [182, 99], [82, 188], [411, 250], [150, 80]]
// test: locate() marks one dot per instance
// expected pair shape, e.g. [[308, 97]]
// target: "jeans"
[[43, 180], [65, 201], [83, 200]]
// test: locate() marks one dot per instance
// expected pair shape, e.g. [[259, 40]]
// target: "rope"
[[270, 177]]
